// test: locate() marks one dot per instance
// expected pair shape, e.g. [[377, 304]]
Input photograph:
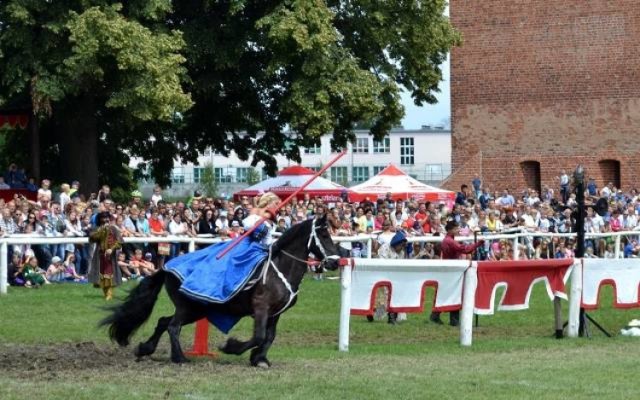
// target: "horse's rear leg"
[[259, 354], [147, 348], [181, 317], [235, 346]]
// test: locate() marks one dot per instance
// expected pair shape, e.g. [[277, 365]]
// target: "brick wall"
[[548, 81]]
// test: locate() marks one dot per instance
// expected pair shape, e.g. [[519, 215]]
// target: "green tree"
[[93, 72], [208, 183], [253, 176], [259, 77]]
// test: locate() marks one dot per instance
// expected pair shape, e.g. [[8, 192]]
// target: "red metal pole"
[[282, 204]]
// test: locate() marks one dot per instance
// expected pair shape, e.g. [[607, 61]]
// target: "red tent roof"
[[295, 170], [391, 170]]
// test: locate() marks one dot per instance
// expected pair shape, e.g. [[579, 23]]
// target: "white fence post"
[[369, 249], [617, 250], [4, 253], [515, 249], [192, 246], [468, 304], [345, 306], [575, 299]]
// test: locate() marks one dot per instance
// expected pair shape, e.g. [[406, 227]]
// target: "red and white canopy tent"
[[290, 179], [401, 186]]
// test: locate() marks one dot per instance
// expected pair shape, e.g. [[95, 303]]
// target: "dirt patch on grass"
[[55, 360]]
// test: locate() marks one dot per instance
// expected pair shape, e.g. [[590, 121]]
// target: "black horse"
[[274, 291]]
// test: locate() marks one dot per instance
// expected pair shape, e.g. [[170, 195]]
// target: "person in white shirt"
[[176, 228], [156, 196], [64, 197]]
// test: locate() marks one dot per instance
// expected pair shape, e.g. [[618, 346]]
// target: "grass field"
[[50, 348]]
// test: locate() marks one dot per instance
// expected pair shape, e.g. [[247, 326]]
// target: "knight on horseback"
[[256, 278]]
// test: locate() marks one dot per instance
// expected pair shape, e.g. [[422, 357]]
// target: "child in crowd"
[[34, 276], [142, 266]]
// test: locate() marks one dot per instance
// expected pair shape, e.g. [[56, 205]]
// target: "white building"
[[423, 153]]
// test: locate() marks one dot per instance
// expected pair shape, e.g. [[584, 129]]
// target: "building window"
[[264, 175], [315, 149], [242, 174], [177, 177], [360, 174], [377, 169], [315, 169], [221, 175], [406, 151], [339, 175], [383, 146], [361, 145], [198, 173]]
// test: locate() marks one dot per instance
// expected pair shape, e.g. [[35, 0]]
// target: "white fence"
[[515, 237]]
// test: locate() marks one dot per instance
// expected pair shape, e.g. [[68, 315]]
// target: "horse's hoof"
[[263, 365], [222, 346], [143, 350], [180, 360]]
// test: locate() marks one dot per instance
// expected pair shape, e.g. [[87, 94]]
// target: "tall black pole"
[[578, 183]]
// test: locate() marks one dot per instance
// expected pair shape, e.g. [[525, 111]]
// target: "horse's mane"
[[294, 233]]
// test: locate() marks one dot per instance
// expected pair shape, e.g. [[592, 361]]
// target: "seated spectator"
[[44, 190], [126, 267], [33, 275], [13, 177], [609, 252], [55, 272], [14, 271], [31, 185], [70, 272], [3, 184], [630, 249], [142, 266], [588, 253]]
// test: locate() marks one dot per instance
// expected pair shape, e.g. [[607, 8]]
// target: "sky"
[[430, 114]]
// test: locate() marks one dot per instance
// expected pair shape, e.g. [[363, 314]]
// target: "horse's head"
[[321, 245]]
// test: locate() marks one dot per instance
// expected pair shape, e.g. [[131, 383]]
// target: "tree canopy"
[[162, 80]]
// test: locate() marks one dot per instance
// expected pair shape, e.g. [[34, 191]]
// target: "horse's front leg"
[[235, 346], [259, 354]]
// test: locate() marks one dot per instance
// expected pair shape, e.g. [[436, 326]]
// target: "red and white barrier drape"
[[406, 281], [622, 274], [518, 278]]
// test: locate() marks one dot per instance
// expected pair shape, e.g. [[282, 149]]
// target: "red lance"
[[282, 204]]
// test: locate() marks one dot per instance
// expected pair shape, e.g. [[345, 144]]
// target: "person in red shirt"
[[452, 250]]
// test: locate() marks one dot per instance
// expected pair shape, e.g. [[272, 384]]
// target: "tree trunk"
[[77, 133], [34, 142]]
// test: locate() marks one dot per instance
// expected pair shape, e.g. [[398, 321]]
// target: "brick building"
[[541, 85]]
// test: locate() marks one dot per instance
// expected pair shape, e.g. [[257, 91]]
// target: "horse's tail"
[[126, 318]]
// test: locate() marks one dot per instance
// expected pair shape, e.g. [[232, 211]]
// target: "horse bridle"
[[316, 240], [280, 275]]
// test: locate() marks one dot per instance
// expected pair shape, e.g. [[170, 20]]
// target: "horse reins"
[[270, 263]]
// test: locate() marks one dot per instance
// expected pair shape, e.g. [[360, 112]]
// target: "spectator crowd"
[[477, 209]]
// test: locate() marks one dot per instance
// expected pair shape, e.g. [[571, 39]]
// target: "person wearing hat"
[[194, 201], [452, 250], [103, 271], [136, 198], [393, 249], [55, 272]]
